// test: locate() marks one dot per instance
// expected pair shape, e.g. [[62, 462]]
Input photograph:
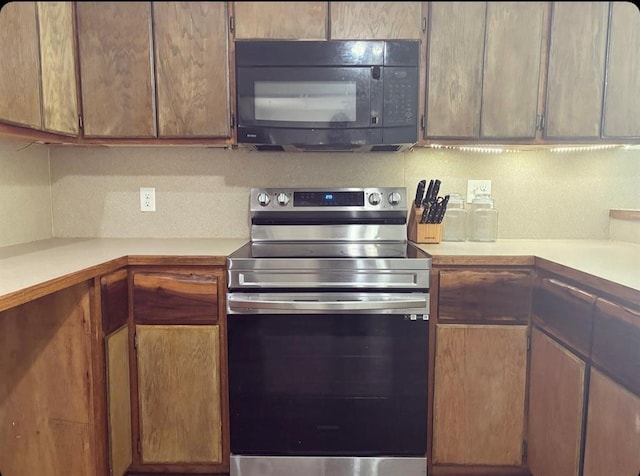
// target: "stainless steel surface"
[[328, 232], [326, 466], [384, 198], [326, 303]]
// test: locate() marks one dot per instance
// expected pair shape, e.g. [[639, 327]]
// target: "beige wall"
[[204, 192], [25, 194]]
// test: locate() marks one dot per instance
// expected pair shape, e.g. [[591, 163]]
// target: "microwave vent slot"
[[269, 147], [385, 148]]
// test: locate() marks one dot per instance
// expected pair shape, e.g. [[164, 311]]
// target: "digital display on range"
[[328, 199]]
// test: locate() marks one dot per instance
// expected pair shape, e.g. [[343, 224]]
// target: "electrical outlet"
[[475, 186], [147, 199]]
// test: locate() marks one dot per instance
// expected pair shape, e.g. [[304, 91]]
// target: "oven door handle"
[[241, 303]]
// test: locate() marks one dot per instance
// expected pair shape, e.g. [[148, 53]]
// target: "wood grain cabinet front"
[[328, 20], [483, 70], [179, 397], [480, 362], [38, 76]]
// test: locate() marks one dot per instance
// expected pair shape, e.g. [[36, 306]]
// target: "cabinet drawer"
[[175, 298], [564, 311], [484, 296], [616, 343]]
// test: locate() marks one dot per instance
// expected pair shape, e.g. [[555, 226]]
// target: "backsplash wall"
[[25, 195], [204, 192]]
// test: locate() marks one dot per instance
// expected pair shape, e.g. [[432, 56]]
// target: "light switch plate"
[[475, 186]]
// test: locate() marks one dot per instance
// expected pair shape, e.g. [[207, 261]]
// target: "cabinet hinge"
[[528, 339], [540, 122], [80, 122], [422, 125], [139, 446], [525, 450], [232, 24], [135, 340], [232, 121], [424, 24]]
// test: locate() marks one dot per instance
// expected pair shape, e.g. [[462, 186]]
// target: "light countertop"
[[615, 261], [25, 268]]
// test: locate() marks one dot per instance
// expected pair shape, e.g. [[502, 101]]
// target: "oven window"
[[305, 101], [328, 384]]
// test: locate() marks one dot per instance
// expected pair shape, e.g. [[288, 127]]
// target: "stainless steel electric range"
[[328, 330]]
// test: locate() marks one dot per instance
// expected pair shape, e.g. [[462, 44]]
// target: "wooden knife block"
[[422, 232]]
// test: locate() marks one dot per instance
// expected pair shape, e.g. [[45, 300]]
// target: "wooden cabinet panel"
[[191, 58], [556, 398], [376, 20], [166, 297], [566, 312], [622, 101], [281, 20], [616, 343], [118, 401], [512, 62], [479, 386], [58, 67], [484, 296], [20, 71], [114, 292], [575, 78], [46, 388], [114, 40], [179, 394], [613, 429], [454, 69]]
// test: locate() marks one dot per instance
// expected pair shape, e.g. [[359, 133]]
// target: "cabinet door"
[[479, 394], [114, 41], [192, 68], [454, 69], [613, 429], [622, 101], [119, 401], [575, 79], [179, 394], [58, 66], [512, 63], [556, 399], [20, 71], [376, 20], [281, 20]]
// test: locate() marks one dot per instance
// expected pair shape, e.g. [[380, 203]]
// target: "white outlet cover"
[[475, 186], [147, 199]]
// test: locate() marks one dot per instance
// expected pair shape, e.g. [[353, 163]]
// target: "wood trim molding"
[[625, 214]]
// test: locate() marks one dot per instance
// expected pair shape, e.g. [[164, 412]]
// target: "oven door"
[[318, 374]]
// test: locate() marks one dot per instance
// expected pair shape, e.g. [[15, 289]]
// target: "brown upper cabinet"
[[622, 86], [38, 77], [115, 69], [576, 75], [328, 20], [594, 72], [483, 69], [134, 52]]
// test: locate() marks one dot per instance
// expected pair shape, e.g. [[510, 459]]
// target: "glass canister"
[[483, 219], [454, 223]]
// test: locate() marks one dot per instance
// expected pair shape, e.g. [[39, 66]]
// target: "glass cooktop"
[[356, 249]]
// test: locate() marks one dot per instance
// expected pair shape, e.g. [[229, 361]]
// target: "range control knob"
[[283, 199], [374, 198], [264, 199], [394, 198]]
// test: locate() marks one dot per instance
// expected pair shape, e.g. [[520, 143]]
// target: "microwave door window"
[[332, 103]]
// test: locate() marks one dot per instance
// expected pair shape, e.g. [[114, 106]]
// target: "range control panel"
[[364, 199]]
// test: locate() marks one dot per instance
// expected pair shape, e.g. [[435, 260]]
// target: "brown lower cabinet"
[[556, 400], [479, 337]]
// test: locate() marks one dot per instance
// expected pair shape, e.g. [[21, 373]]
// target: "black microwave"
[[327, 95]]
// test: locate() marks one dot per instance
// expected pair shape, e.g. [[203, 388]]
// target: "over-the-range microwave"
[[327, 95]]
